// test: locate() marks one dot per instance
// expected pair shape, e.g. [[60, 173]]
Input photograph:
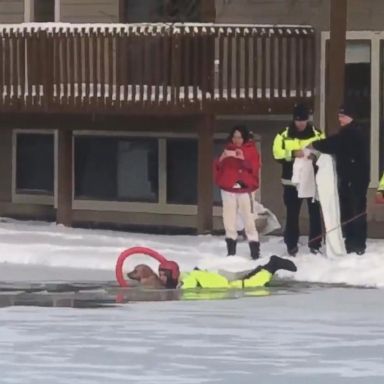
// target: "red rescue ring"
[[129, 252]]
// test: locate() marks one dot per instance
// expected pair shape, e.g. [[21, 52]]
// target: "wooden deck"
[[156, 68]]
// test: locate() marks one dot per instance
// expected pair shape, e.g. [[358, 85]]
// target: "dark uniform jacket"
[[351, 149]]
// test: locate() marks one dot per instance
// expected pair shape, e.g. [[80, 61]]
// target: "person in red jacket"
[[236, 173]]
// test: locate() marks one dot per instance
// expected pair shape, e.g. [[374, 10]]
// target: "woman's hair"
[[244, 131]]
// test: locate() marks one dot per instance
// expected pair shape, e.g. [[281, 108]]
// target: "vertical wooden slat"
[[43, 74], [79, 69], [166, 59], [38, 67], [101, 56], [57, 72], [246, 64], [22, 47], [229, 64], [237, 39], [204, 72], [71, 66], [119, 64], [124, 64], [255, 63], [280, 61], [289, 65], [29, 68], [141, 44], [134, 72], [63, 69], [95, 70], [272, 65], [298, 65], [87, 69], [158, 66], [186, 54], [13, 40], [2, 54], [7, 69], [111, 66], [264, 59], [304, 67], [221, 65], [149, 67], [312, 64], [195, 63]]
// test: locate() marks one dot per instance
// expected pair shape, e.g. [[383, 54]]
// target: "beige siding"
[[11, 11], [89, 11], [362, 15]]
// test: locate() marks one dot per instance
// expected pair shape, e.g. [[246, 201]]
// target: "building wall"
[[11, 11], [89, 11]]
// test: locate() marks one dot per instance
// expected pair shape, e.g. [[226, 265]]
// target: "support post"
[[336, 69], [64, 186], [205, 175]]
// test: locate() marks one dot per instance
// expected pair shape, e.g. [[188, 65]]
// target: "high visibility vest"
[[283, 145], [381, 184]]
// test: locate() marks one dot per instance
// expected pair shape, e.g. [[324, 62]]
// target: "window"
[[182, 171], [35, 163], [152, 11], [40, 11], [116, 169]]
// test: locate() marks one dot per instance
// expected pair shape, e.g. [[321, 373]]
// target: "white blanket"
[[303, 177], [326, 181]]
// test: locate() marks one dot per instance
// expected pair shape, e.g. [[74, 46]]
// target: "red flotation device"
[[134, 251]]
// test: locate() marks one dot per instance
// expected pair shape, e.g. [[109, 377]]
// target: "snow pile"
[[46, 245]]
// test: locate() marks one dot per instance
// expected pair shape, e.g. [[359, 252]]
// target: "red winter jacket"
[[231, 170]]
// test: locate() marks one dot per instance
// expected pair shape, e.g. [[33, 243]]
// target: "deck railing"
[[155, 67]]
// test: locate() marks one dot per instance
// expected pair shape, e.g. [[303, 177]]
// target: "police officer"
[[289, 144], [351, 149]]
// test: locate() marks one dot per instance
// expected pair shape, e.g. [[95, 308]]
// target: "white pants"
[[243, 204]]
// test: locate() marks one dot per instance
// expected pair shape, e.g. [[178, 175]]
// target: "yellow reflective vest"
[[381, 184], [284, 143]]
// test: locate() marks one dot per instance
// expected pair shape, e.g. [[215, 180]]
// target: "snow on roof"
[[157, 27]]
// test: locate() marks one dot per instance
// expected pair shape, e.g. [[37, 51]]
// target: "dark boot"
[[254, 247], [275, 263], [231, 247]]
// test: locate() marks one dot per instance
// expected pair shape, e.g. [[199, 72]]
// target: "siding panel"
[[89, 11], [11, 11]]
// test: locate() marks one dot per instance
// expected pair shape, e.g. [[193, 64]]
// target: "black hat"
[[347, 109], [300, 112]]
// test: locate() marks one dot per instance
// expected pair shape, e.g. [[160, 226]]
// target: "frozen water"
[[305, 333]]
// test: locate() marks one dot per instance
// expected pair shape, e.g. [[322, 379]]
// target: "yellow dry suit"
[[206, 279]]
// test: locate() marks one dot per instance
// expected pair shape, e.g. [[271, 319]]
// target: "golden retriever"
[[145, 276]]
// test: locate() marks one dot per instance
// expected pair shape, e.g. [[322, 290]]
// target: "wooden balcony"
[[155, 68]]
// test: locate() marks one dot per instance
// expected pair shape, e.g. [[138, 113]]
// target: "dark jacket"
[[289, 140], [351, 149]]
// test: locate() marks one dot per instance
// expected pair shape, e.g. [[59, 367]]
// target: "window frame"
[[29, 198], [29, 11], [162, 207]]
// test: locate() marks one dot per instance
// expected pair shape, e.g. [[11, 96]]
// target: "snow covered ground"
[[309, 333]]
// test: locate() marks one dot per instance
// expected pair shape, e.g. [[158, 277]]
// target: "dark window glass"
[[152, 11], [35, 163], [182, 171], [44, 10], [116, 169]]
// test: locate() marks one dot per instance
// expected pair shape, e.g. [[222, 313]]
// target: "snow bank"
[[50, 245]]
